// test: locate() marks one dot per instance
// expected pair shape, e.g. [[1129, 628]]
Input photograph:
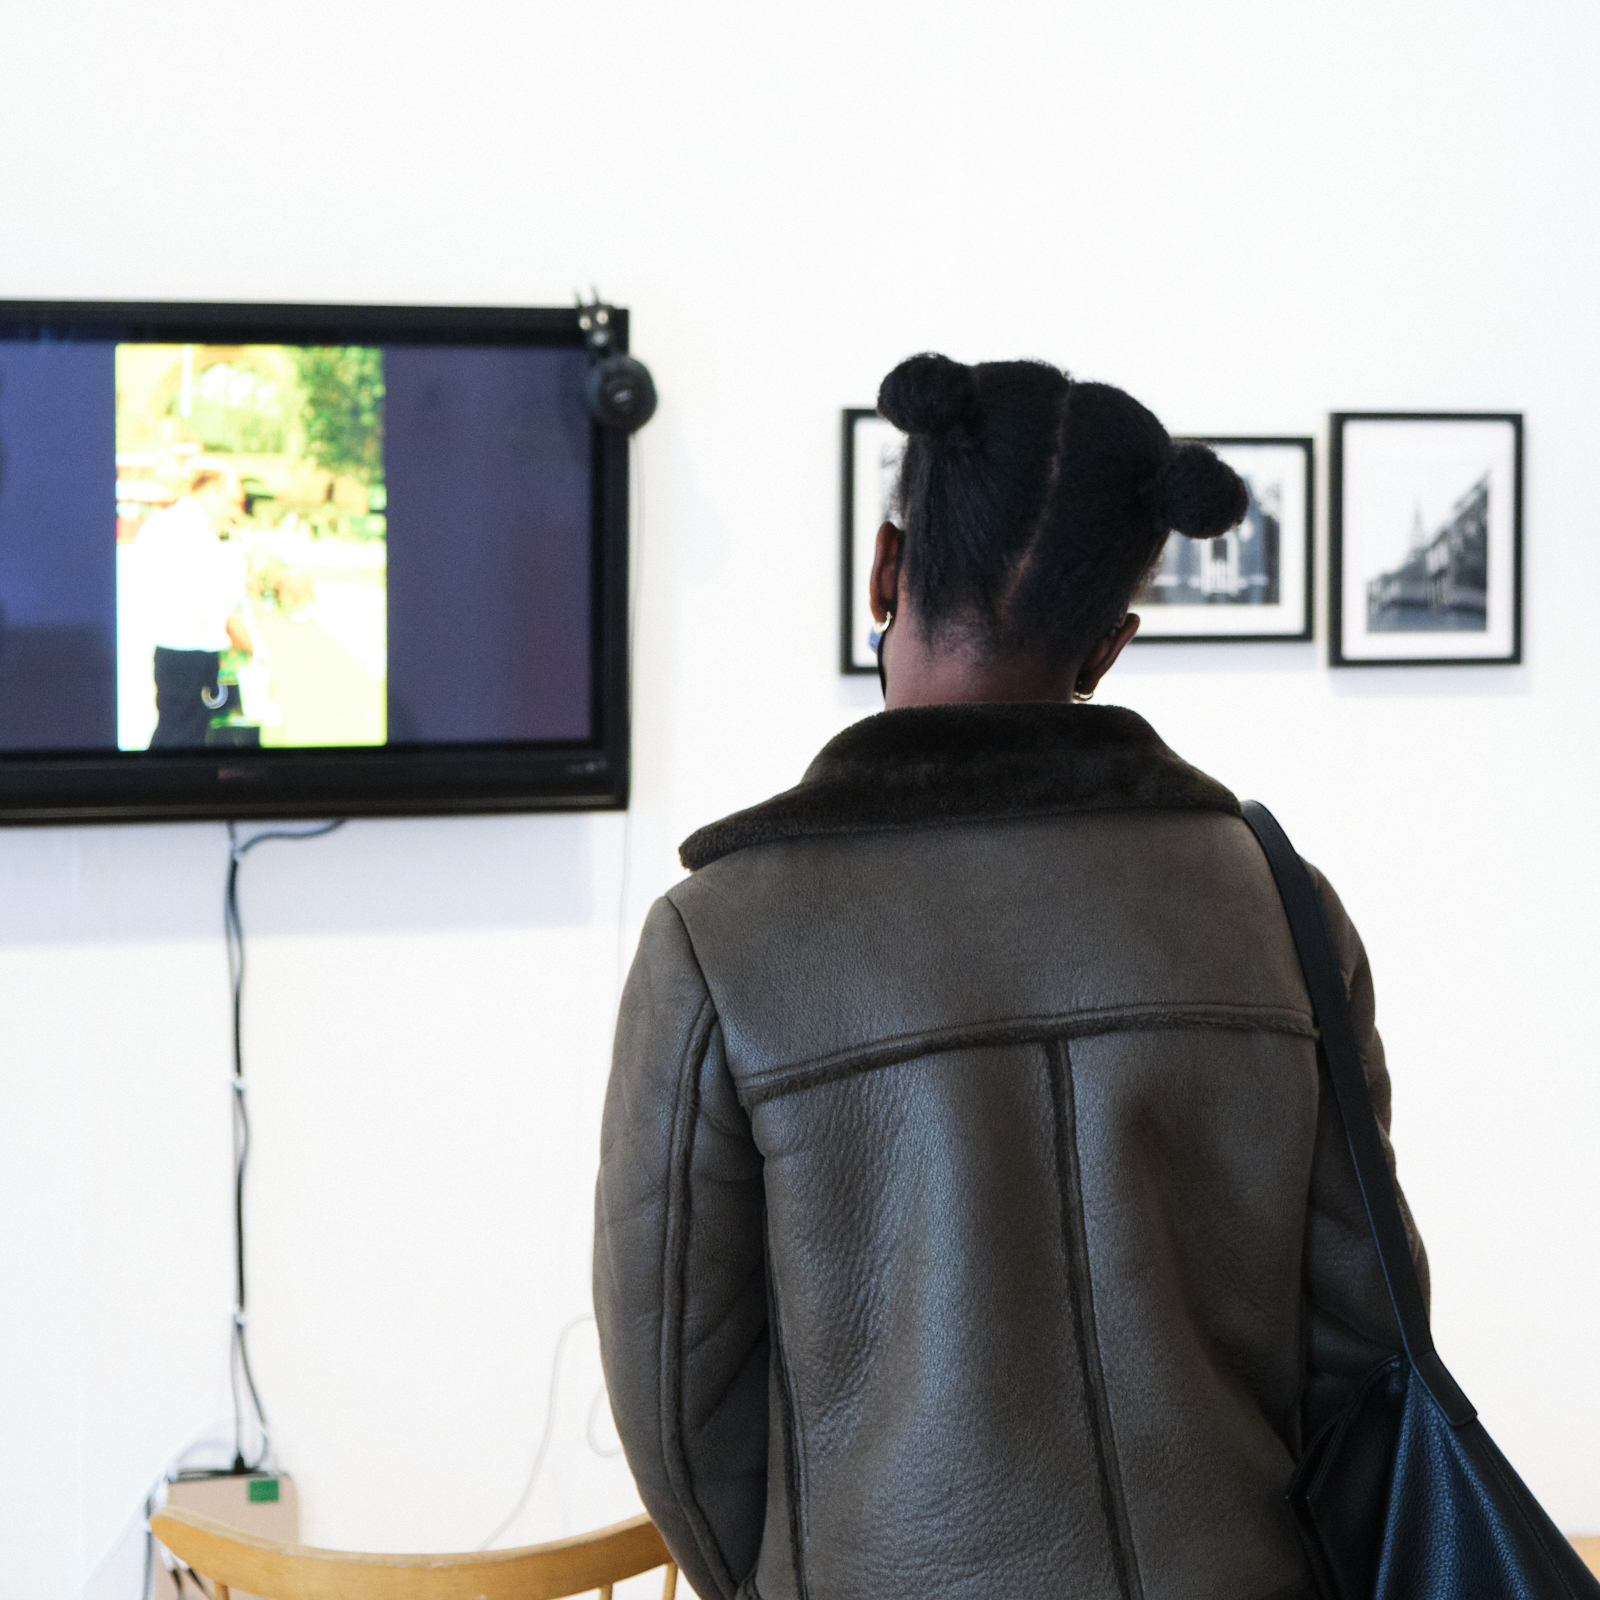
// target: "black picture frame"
[[1302, 613], [1502, 581], [856, 657], [74, 786]]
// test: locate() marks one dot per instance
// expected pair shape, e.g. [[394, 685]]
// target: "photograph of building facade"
[[1443, 584], [1239, 568]]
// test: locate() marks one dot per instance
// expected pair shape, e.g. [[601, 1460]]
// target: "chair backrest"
[[235, 1560]]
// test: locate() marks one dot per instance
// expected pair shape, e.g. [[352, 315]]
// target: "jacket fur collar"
[[927, 765]]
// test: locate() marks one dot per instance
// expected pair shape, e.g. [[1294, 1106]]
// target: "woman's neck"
[[921, 672]]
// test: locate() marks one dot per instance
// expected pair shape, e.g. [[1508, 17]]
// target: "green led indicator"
[[263, 1491]]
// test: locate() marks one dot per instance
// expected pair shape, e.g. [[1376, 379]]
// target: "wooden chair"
[[233, 1560]]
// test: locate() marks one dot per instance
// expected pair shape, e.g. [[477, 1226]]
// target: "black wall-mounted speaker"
[[619, 392]]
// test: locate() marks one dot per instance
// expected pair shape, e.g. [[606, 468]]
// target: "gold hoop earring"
[[1082, 697], [882, 628]]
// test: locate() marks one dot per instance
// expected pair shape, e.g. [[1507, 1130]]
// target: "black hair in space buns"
[[1033, 505], [1197, 494], [928, 394]]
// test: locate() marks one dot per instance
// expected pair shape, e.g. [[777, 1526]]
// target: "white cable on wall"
[[546, 1434]]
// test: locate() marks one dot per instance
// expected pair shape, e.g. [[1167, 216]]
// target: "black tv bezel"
[[372, 781]]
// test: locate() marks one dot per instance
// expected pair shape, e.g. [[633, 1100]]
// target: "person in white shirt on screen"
[[194, 578]]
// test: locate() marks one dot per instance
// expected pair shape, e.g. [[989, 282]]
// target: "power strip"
[[264, 1504]]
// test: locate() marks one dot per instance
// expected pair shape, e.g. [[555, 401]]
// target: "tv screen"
[[306, 561]]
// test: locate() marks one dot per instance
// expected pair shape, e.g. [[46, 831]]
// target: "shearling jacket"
[[972, 1219]]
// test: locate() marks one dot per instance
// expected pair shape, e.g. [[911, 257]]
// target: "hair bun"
[[928, 394], [1197, 493]]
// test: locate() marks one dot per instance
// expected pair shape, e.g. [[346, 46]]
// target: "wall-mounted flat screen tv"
[[307, 561]]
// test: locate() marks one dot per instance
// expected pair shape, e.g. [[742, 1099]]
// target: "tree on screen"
[[343, 409]]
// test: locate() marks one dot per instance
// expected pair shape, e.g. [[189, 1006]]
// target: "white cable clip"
[[238, 1317]]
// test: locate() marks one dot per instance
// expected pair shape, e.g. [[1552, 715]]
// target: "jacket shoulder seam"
[[814, 1071]]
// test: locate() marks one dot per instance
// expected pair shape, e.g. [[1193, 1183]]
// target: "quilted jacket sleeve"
[[1351, 1323], [679, 1268]]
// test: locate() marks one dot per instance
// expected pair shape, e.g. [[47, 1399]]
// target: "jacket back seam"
[[758, 1088], [1080, 1290]]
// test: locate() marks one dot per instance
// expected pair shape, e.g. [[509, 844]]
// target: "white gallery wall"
[[1247, 214]]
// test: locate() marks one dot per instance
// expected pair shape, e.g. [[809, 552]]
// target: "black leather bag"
[[1403, 1496]]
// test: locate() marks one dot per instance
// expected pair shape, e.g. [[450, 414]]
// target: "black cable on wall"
[[239, 1350]]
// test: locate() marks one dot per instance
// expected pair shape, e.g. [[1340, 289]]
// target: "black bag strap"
[[1342, 1059]]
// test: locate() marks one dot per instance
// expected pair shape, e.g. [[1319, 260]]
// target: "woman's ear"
[[883, 589], [1100, 660]]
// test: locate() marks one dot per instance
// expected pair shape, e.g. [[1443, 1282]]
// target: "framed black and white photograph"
[[1252, 582], [1425, 539], [870, 453]]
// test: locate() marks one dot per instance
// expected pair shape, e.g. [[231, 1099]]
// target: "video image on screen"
[[251, 546]]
